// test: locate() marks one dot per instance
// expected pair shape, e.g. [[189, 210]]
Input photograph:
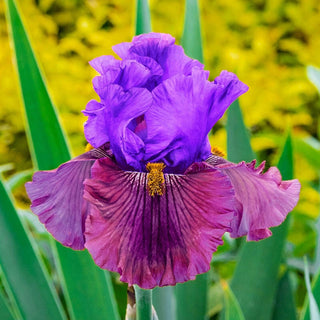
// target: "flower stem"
[[143, 303]]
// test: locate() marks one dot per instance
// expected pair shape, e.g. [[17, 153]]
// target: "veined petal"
[[264, 200], [57, 200], [159, 240]]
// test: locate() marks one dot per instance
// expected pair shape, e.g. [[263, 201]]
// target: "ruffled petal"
[[160, 240], [106, 64], [123, 107], [57, 200], [160, 55], [145, 45], [113, 120], [95, 128], [127, 73], [228, 89], [176, 62], [264, 200]]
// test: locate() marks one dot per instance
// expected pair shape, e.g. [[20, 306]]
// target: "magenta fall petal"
[[57, 198], [263, 199], [161, 240]]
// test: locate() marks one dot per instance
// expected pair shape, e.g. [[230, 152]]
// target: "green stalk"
[[143, 303]]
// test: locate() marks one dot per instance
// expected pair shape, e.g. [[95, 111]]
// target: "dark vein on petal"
[[168, 228]]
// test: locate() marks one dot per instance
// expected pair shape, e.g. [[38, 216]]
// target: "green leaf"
[[191, 38], [316, 263], [19, 179], [305, 313], [309, 148], [238, 141], [232, 310], [143, 21], [87, 286], [143, 303], [256, 274], [49, 147], [9, 297], [164, 301], [24, 271], [313, 306], [5, 313], [84, 284], [192, 298], [284, 302], [314, 76]]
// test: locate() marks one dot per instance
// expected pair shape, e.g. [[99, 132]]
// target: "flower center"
[[155, 179]]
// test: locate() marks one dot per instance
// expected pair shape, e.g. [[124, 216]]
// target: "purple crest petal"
[[161, 240], [264, 200], [57, 198]]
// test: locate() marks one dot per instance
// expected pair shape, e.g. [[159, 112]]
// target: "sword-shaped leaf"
[[49, 149]]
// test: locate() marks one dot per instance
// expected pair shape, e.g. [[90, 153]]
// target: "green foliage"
[[143, 22], [284, 307], [313, 307], [232, 307], [24, 271], [83, 283], [143, 303]]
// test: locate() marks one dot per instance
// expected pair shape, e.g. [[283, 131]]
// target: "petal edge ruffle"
[[264, 200], [57, 197]]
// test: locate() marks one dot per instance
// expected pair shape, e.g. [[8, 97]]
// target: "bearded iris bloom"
[[150, 200]]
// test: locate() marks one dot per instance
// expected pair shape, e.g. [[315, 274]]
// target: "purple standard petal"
[[123, 108], [146, 45], [227, 89], [188, 106], [157, 52], [96, 127], [57, 200], [156, 240], [264, 200], [115, 118], [127, 74]]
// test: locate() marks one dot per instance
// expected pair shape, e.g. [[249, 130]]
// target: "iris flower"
[[150, 200]]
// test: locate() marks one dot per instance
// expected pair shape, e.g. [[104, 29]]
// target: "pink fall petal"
[[160, 240], [264, 200], [57, 198]]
